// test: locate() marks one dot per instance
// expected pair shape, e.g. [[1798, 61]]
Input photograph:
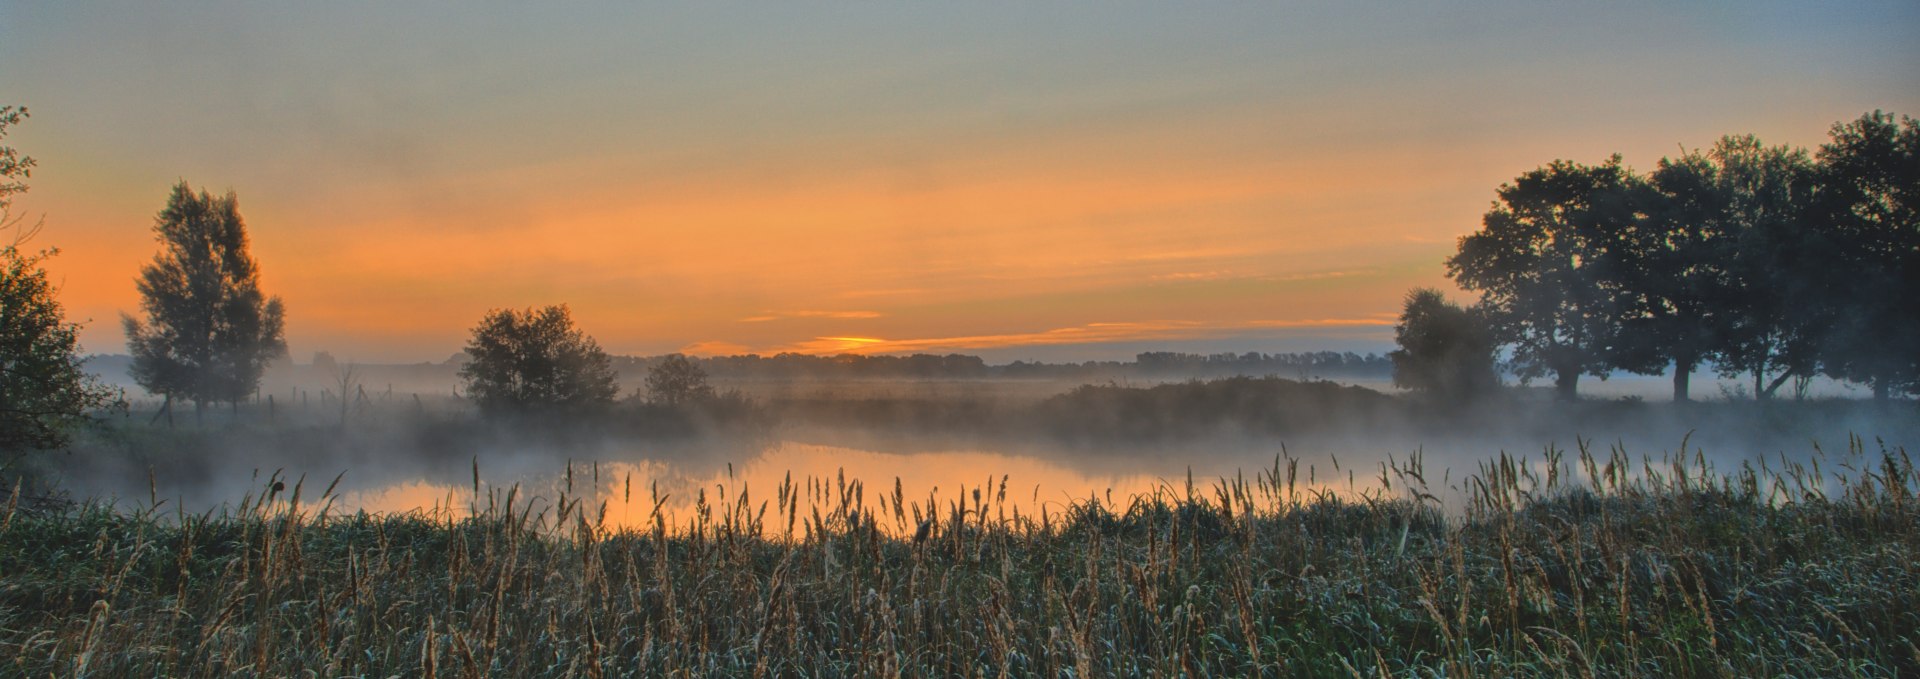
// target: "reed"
[[1577, 563]]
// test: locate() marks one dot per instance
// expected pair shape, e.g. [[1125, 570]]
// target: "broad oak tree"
[[1868, 215], [1550, 266]]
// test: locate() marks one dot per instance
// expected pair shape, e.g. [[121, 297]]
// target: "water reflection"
[[892, 489], [407, 496], [640, 481]]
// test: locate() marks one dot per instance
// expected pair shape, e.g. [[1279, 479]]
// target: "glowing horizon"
[[883, 180]]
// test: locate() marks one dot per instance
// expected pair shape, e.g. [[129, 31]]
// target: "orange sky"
[[1032, 183]]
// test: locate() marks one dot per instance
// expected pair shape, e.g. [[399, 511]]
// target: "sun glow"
[[806, 182]]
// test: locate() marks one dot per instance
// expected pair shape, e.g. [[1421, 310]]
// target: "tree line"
[[1762, 262], [963, 366], [1342, 363]]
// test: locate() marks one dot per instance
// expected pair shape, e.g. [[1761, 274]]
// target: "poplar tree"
[[209, 332]]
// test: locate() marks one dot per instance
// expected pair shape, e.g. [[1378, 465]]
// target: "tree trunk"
[[166, 408], [1566, 385], [1774, 386], [1682, 379]]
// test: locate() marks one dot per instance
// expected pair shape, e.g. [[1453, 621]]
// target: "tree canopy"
[[535, 359], [1548, 265], [1444, 349], [208, 331], [1868, 213], [1710, 267], [1760, 260], [44, 392], [677, 381]]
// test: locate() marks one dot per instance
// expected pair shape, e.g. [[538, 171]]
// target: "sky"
[[1056, 181]]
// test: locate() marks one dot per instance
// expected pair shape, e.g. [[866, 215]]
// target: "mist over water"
[[1029, 447]]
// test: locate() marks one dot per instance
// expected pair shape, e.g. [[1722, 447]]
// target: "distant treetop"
[[536, 360]]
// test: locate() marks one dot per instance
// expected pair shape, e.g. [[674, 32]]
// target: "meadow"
[[1587, 562]]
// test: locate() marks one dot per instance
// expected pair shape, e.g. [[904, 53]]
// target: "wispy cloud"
[[1220, 274], [894, 292], [1375, 320], [1187, 255], [836, 315], [1090, 333], [1320, 275], [1191, 276], [716, 348]]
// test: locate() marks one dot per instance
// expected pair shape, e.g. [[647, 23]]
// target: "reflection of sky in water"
[[628, 490], [395, 471], [1033, 487], [406, 496]]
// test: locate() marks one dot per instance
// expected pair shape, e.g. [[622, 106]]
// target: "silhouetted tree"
[[346, 378], [209, 332], [1678, 285], [535, 360], [1444, 349], [14, 168], [1549, 269], [1712, 269], [1774, 311], [1868, 213], [675, 380], [324, 362], [44, 392]]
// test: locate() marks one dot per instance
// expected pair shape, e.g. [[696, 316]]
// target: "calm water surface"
[[824, 477]]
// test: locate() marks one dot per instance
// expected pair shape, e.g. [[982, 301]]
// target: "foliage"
[[209, 332], [1444, 349], [1662, 567], [14, 168], [1683, 287], [535, 360], [1759, 260], [1869, 214], [1778, 265], [44, 392], [1714, 272], [675, 381], [1548, 268]]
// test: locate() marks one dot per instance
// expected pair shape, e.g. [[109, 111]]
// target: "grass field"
[[1584, 564]]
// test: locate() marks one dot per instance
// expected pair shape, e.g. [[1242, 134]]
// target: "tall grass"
[[1586, 563]]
